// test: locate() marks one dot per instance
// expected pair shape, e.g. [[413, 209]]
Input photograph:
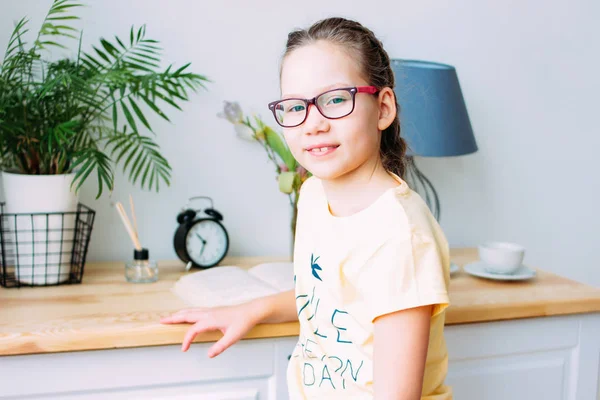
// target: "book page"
[[220, 286], [280, 275]]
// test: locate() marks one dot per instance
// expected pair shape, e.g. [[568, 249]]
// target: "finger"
[[192, 333], [178, 318], [229, 338]]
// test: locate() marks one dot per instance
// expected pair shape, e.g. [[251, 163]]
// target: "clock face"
[[206, 242]]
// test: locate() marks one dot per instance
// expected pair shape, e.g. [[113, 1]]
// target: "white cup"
[[501, 257]]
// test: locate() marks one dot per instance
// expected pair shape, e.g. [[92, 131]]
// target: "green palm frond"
[[89, 160], [16, 40], [141, 154], [54, 26]]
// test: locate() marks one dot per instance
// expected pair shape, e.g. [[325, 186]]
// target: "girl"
[[371, 263]]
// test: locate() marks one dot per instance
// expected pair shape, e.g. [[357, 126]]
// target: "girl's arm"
[[234, 321], [278, 308], [400, 352]]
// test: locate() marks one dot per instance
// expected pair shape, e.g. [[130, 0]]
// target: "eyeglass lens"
[[333, 104]]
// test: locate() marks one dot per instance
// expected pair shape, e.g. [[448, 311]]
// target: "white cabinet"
[[250, 370], [541, 358], [548, 358]]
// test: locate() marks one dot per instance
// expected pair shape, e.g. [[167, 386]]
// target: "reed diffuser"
[[141, 269]]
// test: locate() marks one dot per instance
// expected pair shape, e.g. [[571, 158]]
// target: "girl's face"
[[331, 148]]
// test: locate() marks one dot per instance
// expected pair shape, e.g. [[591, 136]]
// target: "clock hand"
[[200, 237]]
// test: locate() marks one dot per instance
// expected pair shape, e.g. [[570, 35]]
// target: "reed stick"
[[133, 217], [128, 226]]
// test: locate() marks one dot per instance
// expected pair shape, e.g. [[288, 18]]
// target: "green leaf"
[[148, 168], [82, 175], [49, 43], [124, 150], [138, 61], [139, 114], [141, 33], [120, 43], [131, 155], [128, 116], [114, 113], [153, 106], [91, 61], [101, 54], [138, 170], [286, 181], [70, 17], [149, 48], [93, 159], [138, 159], [143, 55], [176, 73], [65, 28], [275, 142], [110, 49], [167, 100], [58, 9], [136, 66], [83, 157], [15, 37]]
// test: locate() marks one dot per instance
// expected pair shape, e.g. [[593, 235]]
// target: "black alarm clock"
[[201, 240]]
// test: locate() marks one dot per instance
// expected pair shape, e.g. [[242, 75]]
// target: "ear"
[[387, 108]]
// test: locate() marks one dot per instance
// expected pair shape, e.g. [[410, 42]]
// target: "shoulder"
[[310, 189], [310, 184], [411, 216]]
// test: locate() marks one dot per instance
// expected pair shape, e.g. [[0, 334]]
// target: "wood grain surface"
[[106, 312]]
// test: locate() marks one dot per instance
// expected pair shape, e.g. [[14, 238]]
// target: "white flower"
[[232, 112]]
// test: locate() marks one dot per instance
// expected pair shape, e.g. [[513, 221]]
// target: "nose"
[[315, 122]]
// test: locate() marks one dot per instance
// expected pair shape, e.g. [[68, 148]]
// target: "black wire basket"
[[44, 249]]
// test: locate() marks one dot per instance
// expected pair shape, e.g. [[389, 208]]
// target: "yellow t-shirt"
[[390, 256]]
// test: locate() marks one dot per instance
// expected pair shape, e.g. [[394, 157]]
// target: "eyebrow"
[[321, 90]]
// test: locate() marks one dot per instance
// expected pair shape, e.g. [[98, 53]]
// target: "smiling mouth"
[[322, 150]]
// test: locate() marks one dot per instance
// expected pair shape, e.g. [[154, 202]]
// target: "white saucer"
[[479, 268], [453, 268]]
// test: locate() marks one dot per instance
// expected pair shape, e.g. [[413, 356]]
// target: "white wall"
[[529, 74]]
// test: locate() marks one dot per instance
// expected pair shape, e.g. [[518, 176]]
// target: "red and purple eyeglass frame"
[[352, 90]]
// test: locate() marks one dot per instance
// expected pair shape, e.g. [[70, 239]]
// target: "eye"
[[296, 108], [335, 100]]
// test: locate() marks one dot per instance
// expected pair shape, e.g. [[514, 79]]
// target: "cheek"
[[293, 141], [362, 133]]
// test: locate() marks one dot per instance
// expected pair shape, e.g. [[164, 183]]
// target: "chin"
[[327, 172]]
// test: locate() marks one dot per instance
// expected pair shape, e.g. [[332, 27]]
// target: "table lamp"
[[433, 119]]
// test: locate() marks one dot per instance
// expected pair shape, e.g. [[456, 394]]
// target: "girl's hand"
[[233, 321]]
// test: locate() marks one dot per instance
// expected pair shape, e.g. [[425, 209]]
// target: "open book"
[[229, 284]]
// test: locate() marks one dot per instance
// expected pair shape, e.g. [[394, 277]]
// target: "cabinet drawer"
[[518, 359], [493, 339], [253, 389], [134, 367]]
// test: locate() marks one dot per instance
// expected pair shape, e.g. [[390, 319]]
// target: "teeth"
[[321, 149]]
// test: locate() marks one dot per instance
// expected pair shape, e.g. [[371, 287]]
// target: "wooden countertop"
[[106, 312]]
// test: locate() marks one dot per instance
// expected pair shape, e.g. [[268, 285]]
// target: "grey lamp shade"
[[433, 116]]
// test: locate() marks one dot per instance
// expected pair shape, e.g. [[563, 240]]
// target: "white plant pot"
[[40, 246]]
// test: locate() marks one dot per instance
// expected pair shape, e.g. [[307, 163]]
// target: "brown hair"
[[374, 63]]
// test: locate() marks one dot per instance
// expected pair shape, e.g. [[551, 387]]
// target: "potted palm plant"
[[64, 121]]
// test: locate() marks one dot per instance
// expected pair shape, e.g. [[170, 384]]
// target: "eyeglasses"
[[333, 104]]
